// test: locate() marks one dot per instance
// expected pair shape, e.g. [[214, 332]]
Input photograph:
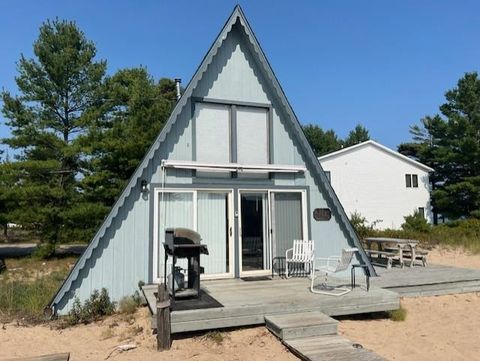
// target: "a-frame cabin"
[[232, 163]]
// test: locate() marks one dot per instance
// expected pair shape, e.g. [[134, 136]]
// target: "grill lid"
[[184, 238]]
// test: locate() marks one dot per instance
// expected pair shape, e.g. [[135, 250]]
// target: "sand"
[[436, 328], [96, 341]]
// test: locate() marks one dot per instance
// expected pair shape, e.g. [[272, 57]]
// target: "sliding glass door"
[[214, 227], [268, 222], [210, 213], [255, 245]]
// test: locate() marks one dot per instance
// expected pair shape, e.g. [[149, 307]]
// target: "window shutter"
[[212, 132], [252, 135]]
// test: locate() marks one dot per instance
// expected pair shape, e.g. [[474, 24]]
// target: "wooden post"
[[163, 318]]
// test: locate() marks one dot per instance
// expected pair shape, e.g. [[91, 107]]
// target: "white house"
[[382, 185]]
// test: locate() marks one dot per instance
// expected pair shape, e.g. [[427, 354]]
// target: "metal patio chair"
[[331, 265], [300, 255]]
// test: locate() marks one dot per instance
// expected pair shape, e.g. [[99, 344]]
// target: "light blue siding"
[[233, 73]]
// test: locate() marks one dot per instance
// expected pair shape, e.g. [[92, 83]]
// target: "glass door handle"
[[230, 231]]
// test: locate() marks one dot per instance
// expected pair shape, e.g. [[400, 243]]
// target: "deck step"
[[300, 324], [330, 348]]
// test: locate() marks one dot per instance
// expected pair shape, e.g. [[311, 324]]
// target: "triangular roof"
[[237, 15], [379, 146]]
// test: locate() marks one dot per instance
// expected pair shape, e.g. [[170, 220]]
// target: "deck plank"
[[330, 347]]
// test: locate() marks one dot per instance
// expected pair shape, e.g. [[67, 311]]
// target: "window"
[[408, 180], [212, 126], [421, 211], [411, 180], [414, 181], [227, 133], [252, 135]]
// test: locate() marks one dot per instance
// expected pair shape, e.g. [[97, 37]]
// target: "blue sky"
[[383, 64]]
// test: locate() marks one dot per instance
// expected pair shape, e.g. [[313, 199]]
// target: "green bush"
[[360, 225], [97, 306], [44, 251], [416, 223]]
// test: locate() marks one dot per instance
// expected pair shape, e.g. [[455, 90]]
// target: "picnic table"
[[392, 248]]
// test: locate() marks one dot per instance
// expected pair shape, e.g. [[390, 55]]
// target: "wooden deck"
[[311, 335], [248, 302], [433, 280]]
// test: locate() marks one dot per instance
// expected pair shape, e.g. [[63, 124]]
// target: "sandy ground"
[[454, 257], [96, 342], [436, 328]]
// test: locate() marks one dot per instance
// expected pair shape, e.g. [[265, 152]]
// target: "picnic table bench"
[[395, 249], [420, 255], [388, 255]]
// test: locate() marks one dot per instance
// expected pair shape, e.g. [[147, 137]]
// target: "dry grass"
[[398, 315], [31, 269], [214, 336], [28, 285], [107, 333]]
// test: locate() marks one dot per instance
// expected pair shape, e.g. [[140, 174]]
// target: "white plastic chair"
[[331, 265], [300, 253]]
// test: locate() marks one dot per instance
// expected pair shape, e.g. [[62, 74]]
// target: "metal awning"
[[233, 167]]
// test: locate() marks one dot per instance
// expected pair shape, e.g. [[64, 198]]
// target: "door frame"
[[157, 191]]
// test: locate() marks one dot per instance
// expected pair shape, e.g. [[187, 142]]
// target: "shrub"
[[416, 223], [44, 251], [97, 306], [398, 315], [129, 304], [361, 226]]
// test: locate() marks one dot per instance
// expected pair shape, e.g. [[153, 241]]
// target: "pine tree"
[[322, 142], [136, 109], [58, 95], [449, 142], [358, 135]]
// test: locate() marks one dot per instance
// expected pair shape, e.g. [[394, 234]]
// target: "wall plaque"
[[322, 214]]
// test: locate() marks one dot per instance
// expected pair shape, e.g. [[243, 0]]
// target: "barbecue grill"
[[184, 243]]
